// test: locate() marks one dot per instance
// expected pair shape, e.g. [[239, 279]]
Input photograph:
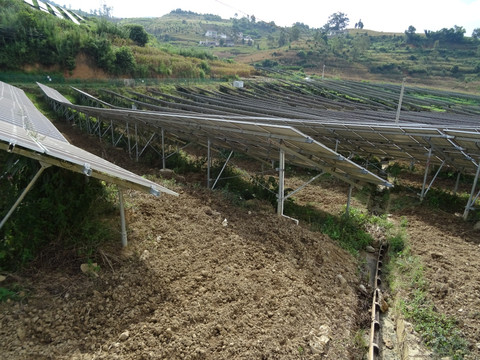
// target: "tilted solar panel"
[[55, 150]]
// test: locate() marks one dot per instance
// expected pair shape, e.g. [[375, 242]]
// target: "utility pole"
[[397, 118]]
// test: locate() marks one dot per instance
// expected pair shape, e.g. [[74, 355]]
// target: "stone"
[[363, 289], [167, 173], [341, 280], [318, 340], [90, 269], [144, 255], [21, 334], [477, 226], [436, 256], [370, 249], [124, 336], [2, 278]]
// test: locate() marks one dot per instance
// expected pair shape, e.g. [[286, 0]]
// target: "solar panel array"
[[69, 15], [419, 137], [24, 130], [365, 133], [257, 139]]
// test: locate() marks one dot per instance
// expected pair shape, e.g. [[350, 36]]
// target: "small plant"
[[397, 238], [6, 294]]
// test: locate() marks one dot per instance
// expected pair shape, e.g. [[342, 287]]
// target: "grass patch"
[[440, 333]]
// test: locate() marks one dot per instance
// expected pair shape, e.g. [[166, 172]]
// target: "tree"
[[360, 45], [338, 21], [124, 60], [138, 34], [105, 11], [295, 33], [411, 35], [476, 33], [359, 24], [253, 19], [283, 39]]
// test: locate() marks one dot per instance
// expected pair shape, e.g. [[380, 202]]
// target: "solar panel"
[[16, 108], [56, 150], [70, 16], [43, 6], [57, 12]]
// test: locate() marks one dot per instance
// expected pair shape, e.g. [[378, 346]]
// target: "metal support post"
[[209, 161], [281, 182], [399, 108], [349, 199], [223, 168], [163, 150], [457, 183], [427, 166], [128, 141], [471, 199], [24, 193], [122, 218], [136, 142]]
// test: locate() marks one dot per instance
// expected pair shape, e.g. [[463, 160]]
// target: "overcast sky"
[[380, 15]]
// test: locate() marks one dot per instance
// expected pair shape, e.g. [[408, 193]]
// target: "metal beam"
[[223, 168], [303, 186], [24, 192], [427, 166]]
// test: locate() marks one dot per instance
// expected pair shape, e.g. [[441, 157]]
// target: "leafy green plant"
[[6, 294]]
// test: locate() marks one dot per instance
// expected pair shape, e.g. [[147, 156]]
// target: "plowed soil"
[[203, 279]]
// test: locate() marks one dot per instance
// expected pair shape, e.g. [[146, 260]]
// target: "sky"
[[379, 15]]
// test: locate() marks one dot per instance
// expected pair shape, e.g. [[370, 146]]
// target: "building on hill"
[[211, 33], [332, 33], [209, 43]]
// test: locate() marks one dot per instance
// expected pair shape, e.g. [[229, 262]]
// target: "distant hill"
[[446, 56], [183, 44]]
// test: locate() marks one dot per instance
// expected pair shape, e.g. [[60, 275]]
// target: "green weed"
[[6, 294]]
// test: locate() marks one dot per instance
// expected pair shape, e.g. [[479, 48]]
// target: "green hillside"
[[36, 42], [443, 57], [184, 44]]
